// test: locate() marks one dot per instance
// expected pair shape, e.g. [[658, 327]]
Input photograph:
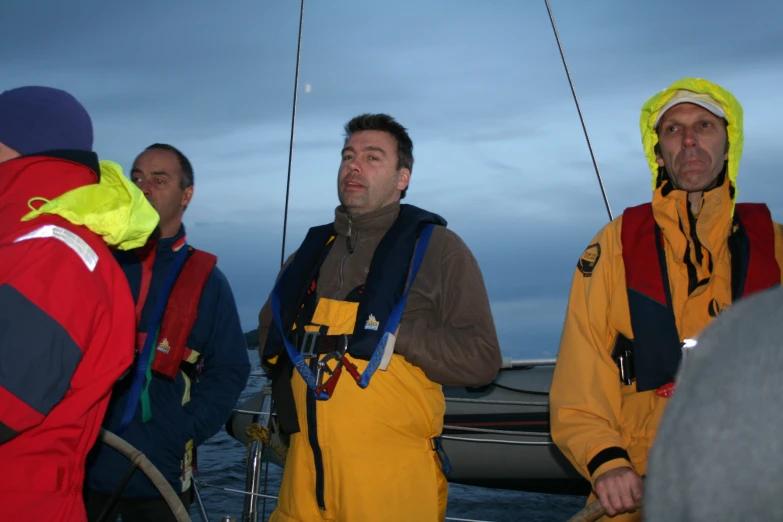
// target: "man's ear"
[[658, 158], [187, 195], [403, 178]]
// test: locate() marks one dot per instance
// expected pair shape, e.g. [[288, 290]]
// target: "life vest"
[[656, 347], [381, 300], [172, 353], [383, 289]]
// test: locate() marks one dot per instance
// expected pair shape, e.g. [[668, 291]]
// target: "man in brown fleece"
[[363, 443]]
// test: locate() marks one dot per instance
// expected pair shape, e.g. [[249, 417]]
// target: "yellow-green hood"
[[730, 105], [114, 208]]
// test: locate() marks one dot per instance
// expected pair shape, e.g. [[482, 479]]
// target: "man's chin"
[[350, 201], [696, 187]]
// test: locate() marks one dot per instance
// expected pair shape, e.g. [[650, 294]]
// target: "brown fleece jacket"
[[447, 328]]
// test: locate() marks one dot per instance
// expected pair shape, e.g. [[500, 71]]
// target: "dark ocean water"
[[222, 463]]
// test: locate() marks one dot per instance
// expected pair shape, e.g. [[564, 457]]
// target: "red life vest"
[[657, 347], [172, 352]]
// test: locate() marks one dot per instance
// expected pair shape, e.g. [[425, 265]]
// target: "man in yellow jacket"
[[649, 282], [370, 317]]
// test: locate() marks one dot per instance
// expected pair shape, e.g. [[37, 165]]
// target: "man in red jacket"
[[67, 319]]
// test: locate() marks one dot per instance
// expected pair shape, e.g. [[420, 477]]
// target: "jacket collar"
[[172, 244], [380, 220], [713, 223]]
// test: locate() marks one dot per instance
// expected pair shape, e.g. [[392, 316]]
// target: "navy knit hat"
[[41, 119]]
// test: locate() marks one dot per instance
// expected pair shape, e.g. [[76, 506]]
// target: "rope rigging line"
[[465, 520], [498, 441], [489, 431], [205, 485], [579, 110], [490, 401], [519, 390], [259, 413], [293, 124]]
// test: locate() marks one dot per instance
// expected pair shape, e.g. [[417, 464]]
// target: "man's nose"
[[354, 165], [144, 186], [689, 138]]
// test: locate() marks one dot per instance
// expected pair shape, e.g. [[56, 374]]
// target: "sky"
[[480, 85]]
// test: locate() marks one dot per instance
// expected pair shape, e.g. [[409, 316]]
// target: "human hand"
[[619, 490]]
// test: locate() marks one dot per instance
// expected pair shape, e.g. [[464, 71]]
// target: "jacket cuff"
[[607, 459]]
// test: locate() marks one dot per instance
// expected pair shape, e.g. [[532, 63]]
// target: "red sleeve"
[[61, 304]]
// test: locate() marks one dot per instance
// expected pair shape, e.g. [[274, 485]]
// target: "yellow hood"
[[730, 105], [114, 208]]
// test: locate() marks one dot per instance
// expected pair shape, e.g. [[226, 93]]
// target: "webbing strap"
[[146, 357], [391, 325]]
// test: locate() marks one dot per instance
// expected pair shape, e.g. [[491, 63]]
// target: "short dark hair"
[[186, 180], [385, 123]]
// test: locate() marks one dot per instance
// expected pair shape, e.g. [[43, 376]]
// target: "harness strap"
[[299, 361], [145, 358]]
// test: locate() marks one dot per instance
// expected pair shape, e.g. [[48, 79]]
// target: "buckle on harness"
[[309, 345], [334, 375], [322, 367], [314, 343]]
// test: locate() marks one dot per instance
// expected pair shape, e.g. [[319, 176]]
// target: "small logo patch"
[[164, 346], [372, 323], [589, 259]]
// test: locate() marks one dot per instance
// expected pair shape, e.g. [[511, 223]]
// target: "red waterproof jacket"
[[66, 335]]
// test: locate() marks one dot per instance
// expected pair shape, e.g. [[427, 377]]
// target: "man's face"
[[368, 178], [7, 153], [693, 146], [158, 174]]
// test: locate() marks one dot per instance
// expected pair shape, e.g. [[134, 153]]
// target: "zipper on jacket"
[[312, 435], [350, 251], [693, 281], [348, 236], [694, 236]]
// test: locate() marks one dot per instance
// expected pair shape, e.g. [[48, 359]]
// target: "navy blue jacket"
[[217, 335]]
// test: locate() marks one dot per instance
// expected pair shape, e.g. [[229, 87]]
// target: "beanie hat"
[[39, 119]]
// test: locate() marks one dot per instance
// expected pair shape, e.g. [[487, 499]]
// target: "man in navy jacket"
[[192, 361]]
